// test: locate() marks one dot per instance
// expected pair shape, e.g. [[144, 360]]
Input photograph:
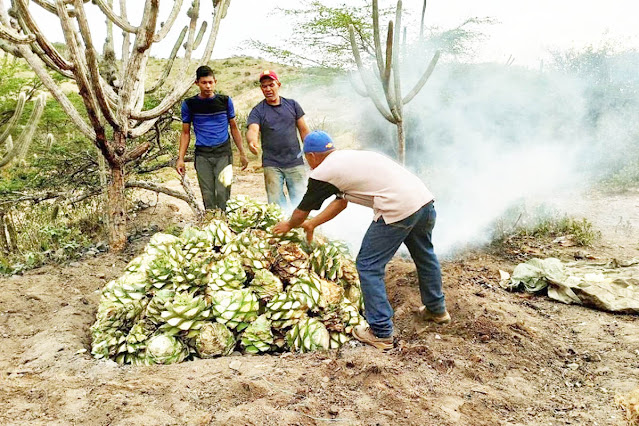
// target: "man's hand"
[[243, 161], [180, 167], [253, 147], [309, 228], [282, 227]]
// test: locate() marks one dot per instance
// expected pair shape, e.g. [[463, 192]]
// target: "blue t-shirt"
[[210, 118], [278, 126]]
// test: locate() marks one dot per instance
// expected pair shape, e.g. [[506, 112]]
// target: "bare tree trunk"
[[117, 210], [117, 201], [104, 198], [401, 142]]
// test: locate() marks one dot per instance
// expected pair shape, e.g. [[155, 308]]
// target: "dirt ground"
[[507, 358]]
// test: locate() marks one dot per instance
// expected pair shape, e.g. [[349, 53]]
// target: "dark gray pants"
[[209, 163]]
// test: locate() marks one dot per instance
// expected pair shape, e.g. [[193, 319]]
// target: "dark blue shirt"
[[210, 118], [278, 126]]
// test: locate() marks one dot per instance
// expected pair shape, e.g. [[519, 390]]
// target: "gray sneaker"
[[439, 319], [364, 334]]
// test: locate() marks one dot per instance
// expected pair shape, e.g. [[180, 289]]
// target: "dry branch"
[[188, 197]]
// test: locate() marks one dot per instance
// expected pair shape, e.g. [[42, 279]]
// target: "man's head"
[[205, 81], [270, 85], [317, 146]]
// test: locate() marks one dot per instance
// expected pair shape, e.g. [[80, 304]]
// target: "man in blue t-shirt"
[[279, 119], [211, 115]]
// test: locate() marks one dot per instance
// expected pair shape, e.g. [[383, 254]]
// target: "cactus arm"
[[19, 149], [200, 35], [132, 81], [57, 93], [9, 155], [49, 62], [50, 7], [80, 70], [121, 21], [49, 51], [9, 48], [169, 63], [423, 79], [421, 24], [94, 70], [377, 40], [396, 72], [166, 26], [22, 99], [181, 88], [388, 89], [193, 13], [389, 56], [369, 83], [26, 137], [12, 36], [143, 126], [126, 36]]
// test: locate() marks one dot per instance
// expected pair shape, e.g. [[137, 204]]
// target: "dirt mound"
[[506, 358]]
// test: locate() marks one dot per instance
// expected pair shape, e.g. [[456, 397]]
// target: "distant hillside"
[[237, 76]]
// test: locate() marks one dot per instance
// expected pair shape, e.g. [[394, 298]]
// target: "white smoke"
[[485, 137]]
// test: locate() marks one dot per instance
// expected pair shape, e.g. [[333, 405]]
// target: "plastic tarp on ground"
[[610, 287]]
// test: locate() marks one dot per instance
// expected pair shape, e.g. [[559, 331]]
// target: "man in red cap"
[[278, 120]]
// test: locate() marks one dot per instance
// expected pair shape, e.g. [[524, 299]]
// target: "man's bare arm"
[[333, 209], [302, 127], [237, 138], [251, 137], [297, 218], [185, 138]]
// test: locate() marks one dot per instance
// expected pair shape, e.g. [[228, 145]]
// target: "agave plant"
[[214, 339], [258, 337], [163, 349], [210, 291], [308, 335]]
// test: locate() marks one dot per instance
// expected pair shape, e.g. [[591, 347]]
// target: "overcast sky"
[[524, 29]]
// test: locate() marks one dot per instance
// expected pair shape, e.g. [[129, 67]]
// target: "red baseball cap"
[[268, 74]]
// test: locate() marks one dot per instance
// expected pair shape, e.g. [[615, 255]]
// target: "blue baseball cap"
[[318, 141]]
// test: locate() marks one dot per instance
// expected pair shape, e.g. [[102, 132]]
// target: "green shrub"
[[543, 222], [50, 232]]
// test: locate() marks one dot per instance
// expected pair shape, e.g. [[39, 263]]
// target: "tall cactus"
[[19, 148], [388, 66], [115, 114]]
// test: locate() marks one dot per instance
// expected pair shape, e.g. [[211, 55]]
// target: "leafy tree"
[[321, 36]]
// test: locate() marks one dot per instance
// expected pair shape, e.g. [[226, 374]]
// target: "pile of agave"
[[231, 285]]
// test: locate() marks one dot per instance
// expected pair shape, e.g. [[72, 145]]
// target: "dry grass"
[[630, 403]]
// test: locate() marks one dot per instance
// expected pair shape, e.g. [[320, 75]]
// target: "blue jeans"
[[379, 246], [276, 177]]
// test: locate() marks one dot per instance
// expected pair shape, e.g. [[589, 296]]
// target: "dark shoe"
[[364, 334], [440, 319]]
